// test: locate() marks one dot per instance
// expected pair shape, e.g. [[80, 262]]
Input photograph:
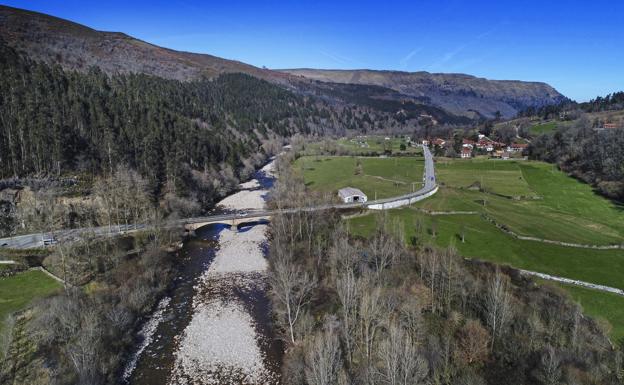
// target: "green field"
[[557, 207], [17, 291], [543, 128], [496, 176], [484, 241], [378, 144], [381, 177]]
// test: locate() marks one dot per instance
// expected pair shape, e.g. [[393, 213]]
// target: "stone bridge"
[[234, 221]]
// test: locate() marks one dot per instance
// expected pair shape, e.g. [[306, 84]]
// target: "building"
[[466, 153], [517, 147], [610, 125], [439, 142], [468, 143], [351, 194], [425, 142], [505, 155]]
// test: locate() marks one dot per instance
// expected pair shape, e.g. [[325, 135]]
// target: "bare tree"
[[400, 362], [497, 305], [348, 292], [473, 341], [550, 367], [323, 362], [291, 287], [370, 318]]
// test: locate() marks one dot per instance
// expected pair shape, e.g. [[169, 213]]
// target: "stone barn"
[[351, 194]]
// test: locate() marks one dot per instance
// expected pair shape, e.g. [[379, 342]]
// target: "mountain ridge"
[[77, 47], [468, 92]]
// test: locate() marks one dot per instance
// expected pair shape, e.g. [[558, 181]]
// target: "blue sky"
[[576, 46]]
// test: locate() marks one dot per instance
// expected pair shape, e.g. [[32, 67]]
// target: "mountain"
[[77, 47], [459, 94], [450, 98]]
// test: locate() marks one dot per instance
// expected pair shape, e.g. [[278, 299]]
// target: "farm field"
[[17, 291], [379, 144], [484, 241], [568, 210], [383, 177]]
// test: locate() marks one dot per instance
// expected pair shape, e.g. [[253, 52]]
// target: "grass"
[[17, 291], [383, 177], [543, 128], [368, 144], [484, 241], [500, 177], [566, 210]]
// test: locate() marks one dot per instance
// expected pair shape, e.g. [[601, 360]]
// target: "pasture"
[[378, 144], [381, 177], [18, 290], [530, 198], [543, 128]]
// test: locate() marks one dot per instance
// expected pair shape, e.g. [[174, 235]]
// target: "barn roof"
[[350, 191]]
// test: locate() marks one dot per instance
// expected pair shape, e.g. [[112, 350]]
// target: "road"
[[429, 187]]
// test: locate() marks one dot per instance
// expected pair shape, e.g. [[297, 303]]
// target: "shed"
[[351, 194]]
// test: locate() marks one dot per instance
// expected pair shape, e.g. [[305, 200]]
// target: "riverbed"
[[215, 327]]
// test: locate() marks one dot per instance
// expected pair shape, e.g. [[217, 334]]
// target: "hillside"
[[459, 94], [450, 98], [78, 47]]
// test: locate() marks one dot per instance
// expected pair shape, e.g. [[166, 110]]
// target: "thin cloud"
[[341, 59], [447, 57], [405, 60]]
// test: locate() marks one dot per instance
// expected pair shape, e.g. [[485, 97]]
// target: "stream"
[[214, 327]]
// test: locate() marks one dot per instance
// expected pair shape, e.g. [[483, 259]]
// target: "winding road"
[[429, 188]]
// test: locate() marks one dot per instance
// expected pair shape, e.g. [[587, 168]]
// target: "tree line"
[[595, 157]]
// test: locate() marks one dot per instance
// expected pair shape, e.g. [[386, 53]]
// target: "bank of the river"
[[215, 325]]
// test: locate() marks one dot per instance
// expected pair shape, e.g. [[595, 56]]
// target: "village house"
[[467, 143], [466, 153], [517, 147], [425, 142], [439, 142], [351, 194]]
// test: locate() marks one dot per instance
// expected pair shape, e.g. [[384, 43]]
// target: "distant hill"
[[459, 94], [77, 47], [451, 98]]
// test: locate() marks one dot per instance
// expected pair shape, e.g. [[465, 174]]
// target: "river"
[[214, 326]]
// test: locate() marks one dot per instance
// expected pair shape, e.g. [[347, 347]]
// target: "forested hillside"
[[179, 135], [586, 140]]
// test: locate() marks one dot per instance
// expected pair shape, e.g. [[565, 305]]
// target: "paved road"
[[30, 241]]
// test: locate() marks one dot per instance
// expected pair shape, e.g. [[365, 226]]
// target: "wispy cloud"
[[449, 56], [405, 60], [341, 59]]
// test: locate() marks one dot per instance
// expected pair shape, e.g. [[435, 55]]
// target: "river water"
[[214, 327]]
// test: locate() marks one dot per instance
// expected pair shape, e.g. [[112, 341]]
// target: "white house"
[[351, 194], [466, 153]]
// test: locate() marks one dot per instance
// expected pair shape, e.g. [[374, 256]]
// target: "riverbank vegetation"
[[374, 309], [82, 333]]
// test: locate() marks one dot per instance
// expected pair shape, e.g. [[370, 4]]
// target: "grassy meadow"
[[377, 144], [383, 177], [530, 198], [543, 128], [18, 290]]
